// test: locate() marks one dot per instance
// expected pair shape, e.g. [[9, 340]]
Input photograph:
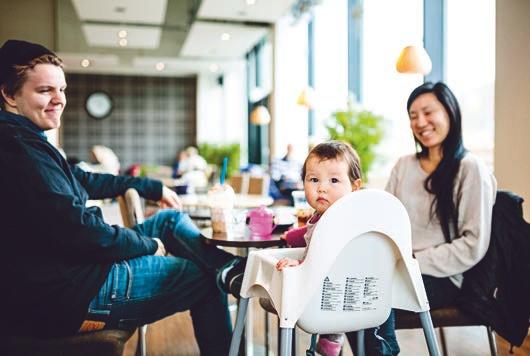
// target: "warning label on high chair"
[[353, 294]]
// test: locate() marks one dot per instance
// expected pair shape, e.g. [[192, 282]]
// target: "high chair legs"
[[360, 343], [141, 349], [239, 327], [286, 342], [428, 330]]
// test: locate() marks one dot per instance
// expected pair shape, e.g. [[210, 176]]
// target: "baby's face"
[[326, 181]]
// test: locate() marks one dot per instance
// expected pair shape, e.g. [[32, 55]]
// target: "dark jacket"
[[497, 289], [56, 253]]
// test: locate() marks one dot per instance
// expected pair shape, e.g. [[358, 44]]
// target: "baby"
[[331, 170]]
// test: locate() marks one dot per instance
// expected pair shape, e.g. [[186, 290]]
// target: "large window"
[[389, 26], [470, 68]]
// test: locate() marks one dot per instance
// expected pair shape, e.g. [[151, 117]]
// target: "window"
[[470, 68], [389, 26]]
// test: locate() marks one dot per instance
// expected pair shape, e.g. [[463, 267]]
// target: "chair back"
[[358, 266], [131, 208]]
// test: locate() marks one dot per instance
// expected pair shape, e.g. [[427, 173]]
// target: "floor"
[[173, 336]]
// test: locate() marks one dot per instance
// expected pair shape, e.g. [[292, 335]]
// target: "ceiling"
[[179, 37]]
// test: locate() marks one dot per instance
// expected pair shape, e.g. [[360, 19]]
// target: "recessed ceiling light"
[[251, 2], [160, 66], [85, 63], [214, 68], [122, 34], [120, 9], [122, 42], [225, 36]]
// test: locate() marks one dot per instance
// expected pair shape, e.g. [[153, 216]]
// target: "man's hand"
[[170, 199], [286, 262], [161, 251]]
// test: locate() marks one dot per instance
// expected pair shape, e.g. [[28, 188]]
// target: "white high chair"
[[359, 265]]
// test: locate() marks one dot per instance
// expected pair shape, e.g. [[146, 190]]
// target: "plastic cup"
[[221, 201], [302, 209]]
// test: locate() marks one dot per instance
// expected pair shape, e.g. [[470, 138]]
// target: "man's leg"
[[145, 289], [182, 238]]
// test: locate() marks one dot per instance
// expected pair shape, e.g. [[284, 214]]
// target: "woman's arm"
[[476, 189]]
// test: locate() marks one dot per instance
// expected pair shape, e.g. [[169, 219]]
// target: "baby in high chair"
[[331, 170]]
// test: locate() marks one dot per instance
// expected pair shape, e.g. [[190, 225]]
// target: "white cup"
[[221, 201]]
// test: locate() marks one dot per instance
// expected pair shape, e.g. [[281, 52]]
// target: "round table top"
[[244, 239]]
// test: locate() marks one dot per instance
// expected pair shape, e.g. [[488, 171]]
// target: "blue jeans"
[[148, 288], [441, 292]]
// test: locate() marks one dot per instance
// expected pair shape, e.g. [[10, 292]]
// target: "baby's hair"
[[337, 150]]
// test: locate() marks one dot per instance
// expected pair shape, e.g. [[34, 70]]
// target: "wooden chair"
[[132, 213], [102, 343], [444, 317]]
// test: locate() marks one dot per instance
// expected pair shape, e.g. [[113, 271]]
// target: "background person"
[[61, 265], [285, 172], [451, 214]]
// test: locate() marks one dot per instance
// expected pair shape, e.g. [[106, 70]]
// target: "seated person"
[[62, 266], [193, 168], [286, 174], [449, 195], [331, 170]]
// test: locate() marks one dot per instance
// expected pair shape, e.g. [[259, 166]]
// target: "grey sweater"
[[474, 194]]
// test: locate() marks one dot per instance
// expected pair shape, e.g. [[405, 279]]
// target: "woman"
[[449, 195], [63, 268]]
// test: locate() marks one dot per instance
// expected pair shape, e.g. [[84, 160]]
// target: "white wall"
[[512, 98]]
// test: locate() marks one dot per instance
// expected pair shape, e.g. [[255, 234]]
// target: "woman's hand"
[[170, 199], [286, 262], [161, 251]]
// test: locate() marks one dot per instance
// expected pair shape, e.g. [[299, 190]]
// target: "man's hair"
[[339, 150], [13, 83]]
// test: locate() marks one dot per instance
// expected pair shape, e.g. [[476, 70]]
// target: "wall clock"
[[99, 105]]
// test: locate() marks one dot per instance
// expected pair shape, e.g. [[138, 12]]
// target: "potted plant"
[[360, 128], [214, 154]]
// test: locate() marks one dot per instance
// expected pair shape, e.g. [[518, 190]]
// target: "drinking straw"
[[223, 170]]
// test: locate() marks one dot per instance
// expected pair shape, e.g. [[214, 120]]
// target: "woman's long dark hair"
[[441, 182]]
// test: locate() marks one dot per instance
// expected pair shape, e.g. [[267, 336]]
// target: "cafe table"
[[243, 239]]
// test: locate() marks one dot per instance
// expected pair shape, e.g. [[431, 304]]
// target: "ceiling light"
[[122, 34], [414, 59], [225, 36], [251, 2], [85, 63], [306, 98], [260, 115], [214, 68], [122, 42], [160, 66]]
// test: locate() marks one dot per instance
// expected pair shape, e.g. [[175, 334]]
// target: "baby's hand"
[[286, 262], [284, 236]]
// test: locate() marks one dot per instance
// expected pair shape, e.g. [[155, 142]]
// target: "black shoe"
[[234, 276]]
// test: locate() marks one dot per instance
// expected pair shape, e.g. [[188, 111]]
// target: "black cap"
[[16, 52]]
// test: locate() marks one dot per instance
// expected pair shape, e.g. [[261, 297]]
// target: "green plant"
[[214, 154], [360, 128]]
